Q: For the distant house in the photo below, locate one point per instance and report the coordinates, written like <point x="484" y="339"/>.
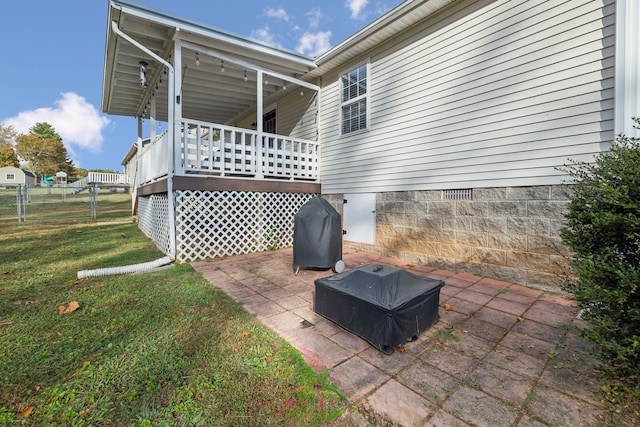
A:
<point x="11" y="176"/>
<point x="437" y="130"/>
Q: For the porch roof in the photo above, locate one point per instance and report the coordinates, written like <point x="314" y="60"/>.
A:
<point x="209" y="91"/>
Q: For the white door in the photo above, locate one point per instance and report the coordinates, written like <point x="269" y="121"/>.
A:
<point x="359" y="220"/>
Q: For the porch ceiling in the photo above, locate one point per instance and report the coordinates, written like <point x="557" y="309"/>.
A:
<point x="207" y="92"/>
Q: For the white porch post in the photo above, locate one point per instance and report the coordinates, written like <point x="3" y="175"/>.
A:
<point x="152" y="119"/>
<point x="176" y="103"/>
<point x="259" y="128"/>
<point x="627" y="99"/>
<point x="136" y="175"/>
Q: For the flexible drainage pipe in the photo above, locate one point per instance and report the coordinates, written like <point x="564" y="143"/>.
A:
<point x="126" y="269"/>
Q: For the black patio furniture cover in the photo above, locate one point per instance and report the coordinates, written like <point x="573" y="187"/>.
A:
<point x="384" y="305"/>
<point x="317" y="235"/>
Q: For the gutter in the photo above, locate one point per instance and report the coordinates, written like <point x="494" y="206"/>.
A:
<point x="171" y="123"/>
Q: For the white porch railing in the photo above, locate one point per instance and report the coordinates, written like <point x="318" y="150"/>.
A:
<point x="229" y="151"/>
<point x="100" y="179"/>
<point x="108" y="178"/>
<point x="154" y="160"/>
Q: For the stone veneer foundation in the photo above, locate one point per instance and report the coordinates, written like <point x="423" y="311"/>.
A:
<point x="509" y="233"/>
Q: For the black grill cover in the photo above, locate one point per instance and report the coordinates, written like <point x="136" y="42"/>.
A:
<point x="384" y="305"/>
<point x="317" y="235"/>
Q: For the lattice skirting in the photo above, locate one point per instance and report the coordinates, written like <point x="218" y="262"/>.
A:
<point x="212" y="224"/>
<point x="153" y="219"/>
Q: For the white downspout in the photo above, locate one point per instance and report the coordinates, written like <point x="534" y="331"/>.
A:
<point x="172" y="136"/>
<point x="143" y="267"/>
<point x="627" y="64"/>
<point x="319" y="134"/>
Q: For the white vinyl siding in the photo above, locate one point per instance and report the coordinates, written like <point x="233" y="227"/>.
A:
<point x="499" y="96"/>
<point x="297" y="115"/>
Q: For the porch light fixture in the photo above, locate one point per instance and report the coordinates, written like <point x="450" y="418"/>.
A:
<point x="221" y="66"/>
<point x="245" y="76"/>
<point x="143" y="73"/>
<point x="197" y="59"/>
<point x="301" y="93"/>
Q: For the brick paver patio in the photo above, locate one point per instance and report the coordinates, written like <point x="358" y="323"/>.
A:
<point x="500" y="355"/>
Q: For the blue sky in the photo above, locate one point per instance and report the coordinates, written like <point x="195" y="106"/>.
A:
<point x="53" y="57"/>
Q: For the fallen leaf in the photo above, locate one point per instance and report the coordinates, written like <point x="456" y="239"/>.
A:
<point x="37" y="388"/>
<point x="84" y="411"/>
<point x="269" y="358"/>
<point x="520" y="319"/>
<point x="6" y="323"/>
<point x="73" y="306"/>
<point x="29" y="302"/>
<point x="7" y="273"/>
<point x="447" y="307"/>
<point x="246" y="333"/>
<point x="26" y="412"/>
<point x="123" y="235"/>
<point x="401" y="349"/>
<point x="290" y="402"/>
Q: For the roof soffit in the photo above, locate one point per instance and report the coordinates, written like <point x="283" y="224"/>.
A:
<point x="208" y="94"/>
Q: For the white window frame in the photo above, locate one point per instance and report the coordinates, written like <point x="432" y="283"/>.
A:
<point x="366" y="97"/>
<point x="10" y="176"/>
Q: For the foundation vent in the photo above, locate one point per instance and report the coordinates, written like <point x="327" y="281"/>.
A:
<point x="464" y="194"/>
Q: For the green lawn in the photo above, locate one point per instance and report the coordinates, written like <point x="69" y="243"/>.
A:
<point x="163" y="348"/>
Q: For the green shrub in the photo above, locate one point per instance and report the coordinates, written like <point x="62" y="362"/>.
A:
<point x="603" y="231"/>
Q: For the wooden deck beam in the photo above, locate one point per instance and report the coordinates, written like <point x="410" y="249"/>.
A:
<point x="212" y="183"/>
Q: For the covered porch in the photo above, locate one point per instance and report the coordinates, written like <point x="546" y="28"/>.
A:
<point x="228" y="144"/>
<point x="213" y="103"/>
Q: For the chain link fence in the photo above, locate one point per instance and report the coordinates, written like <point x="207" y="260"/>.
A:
<point x="51" y="203"/>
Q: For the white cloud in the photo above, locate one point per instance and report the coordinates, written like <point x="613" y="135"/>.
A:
<point x="314" y="44"/>
<point x="264" y="34"/>
<point x="356" y="6"/>
<point x="74" y="119"/>
<point x="314" y="16"/>
<point x="279" y="13"/>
